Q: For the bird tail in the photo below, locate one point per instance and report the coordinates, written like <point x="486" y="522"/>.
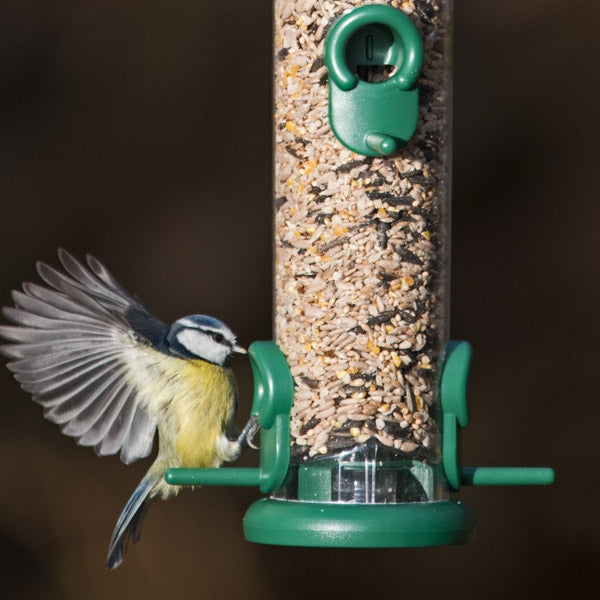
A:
<point x="129" y="524"/>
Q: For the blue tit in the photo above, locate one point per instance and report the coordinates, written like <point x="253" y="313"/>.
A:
<point x="111" y="374"/>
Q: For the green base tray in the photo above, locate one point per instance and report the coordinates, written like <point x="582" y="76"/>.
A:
<point x="332" y="525"/>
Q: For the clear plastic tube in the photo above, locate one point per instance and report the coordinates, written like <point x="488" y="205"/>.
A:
<point x="361" y="272"/>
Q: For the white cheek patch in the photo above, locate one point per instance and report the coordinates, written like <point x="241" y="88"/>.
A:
<point x="196" y="342"/>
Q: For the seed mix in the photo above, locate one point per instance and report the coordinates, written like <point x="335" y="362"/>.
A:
<point x="360" y="249"/>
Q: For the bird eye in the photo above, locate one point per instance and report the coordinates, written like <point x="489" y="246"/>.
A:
<point x="218" y="337"/>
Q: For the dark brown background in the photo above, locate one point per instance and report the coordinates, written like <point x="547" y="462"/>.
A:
<point x="140" y="132"/>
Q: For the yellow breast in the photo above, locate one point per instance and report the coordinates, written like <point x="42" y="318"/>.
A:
<point x="193" y="401"/>
<point x="203" y="410"/>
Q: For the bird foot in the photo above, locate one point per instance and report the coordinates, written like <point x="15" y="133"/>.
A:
<point x="246" y="438"/>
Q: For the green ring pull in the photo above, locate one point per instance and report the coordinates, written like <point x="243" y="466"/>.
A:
<point x="368" y="117"/>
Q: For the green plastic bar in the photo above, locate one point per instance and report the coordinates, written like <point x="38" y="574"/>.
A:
<point x="506" y="476"/>
<point x="230" y="476"/>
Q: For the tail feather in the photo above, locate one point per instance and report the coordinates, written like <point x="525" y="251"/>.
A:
<point x="129" y="524"/>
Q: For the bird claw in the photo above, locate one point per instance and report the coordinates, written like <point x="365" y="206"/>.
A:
<point x="251" y="443"/>
<point x="246" y="438"/>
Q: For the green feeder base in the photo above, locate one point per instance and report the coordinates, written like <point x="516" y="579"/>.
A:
<point x="334" y="525"/>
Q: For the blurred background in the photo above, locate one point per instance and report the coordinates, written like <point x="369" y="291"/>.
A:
<point x="141" y="132"/>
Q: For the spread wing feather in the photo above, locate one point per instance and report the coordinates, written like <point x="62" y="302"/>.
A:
<point x="70" y="346"/>
<point x="28" y="371"/>
<point x="87" y="424"/>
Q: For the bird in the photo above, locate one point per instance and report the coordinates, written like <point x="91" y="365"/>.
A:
<point x="110" y="374"/>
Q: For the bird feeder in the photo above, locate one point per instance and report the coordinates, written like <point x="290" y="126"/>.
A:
<point x="361" y="398"/>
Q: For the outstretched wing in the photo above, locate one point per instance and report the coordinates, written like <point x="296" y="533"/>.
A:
<point x="71" y="347"/>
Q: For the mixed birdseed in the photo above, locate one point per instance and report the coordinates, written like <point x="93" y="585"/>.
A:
<point x="360" y="249"/>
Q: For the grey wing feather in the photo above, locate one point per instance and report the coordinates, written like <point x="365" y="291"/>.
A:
<point x="67" y="349"/>
<point x="103" y="287"/>
<point x="109" y="296"/>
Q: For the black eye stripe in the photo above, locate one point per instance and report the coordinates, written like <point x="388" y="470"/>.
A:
<point x="217" y="336"/>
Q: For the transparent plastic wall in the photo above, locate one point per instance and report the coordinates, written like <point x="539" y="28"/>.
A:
<point x="361" y="271"/>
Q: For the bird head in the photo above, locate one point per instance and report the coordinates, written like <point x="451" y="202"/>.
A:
<point x="204" y="337"/>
